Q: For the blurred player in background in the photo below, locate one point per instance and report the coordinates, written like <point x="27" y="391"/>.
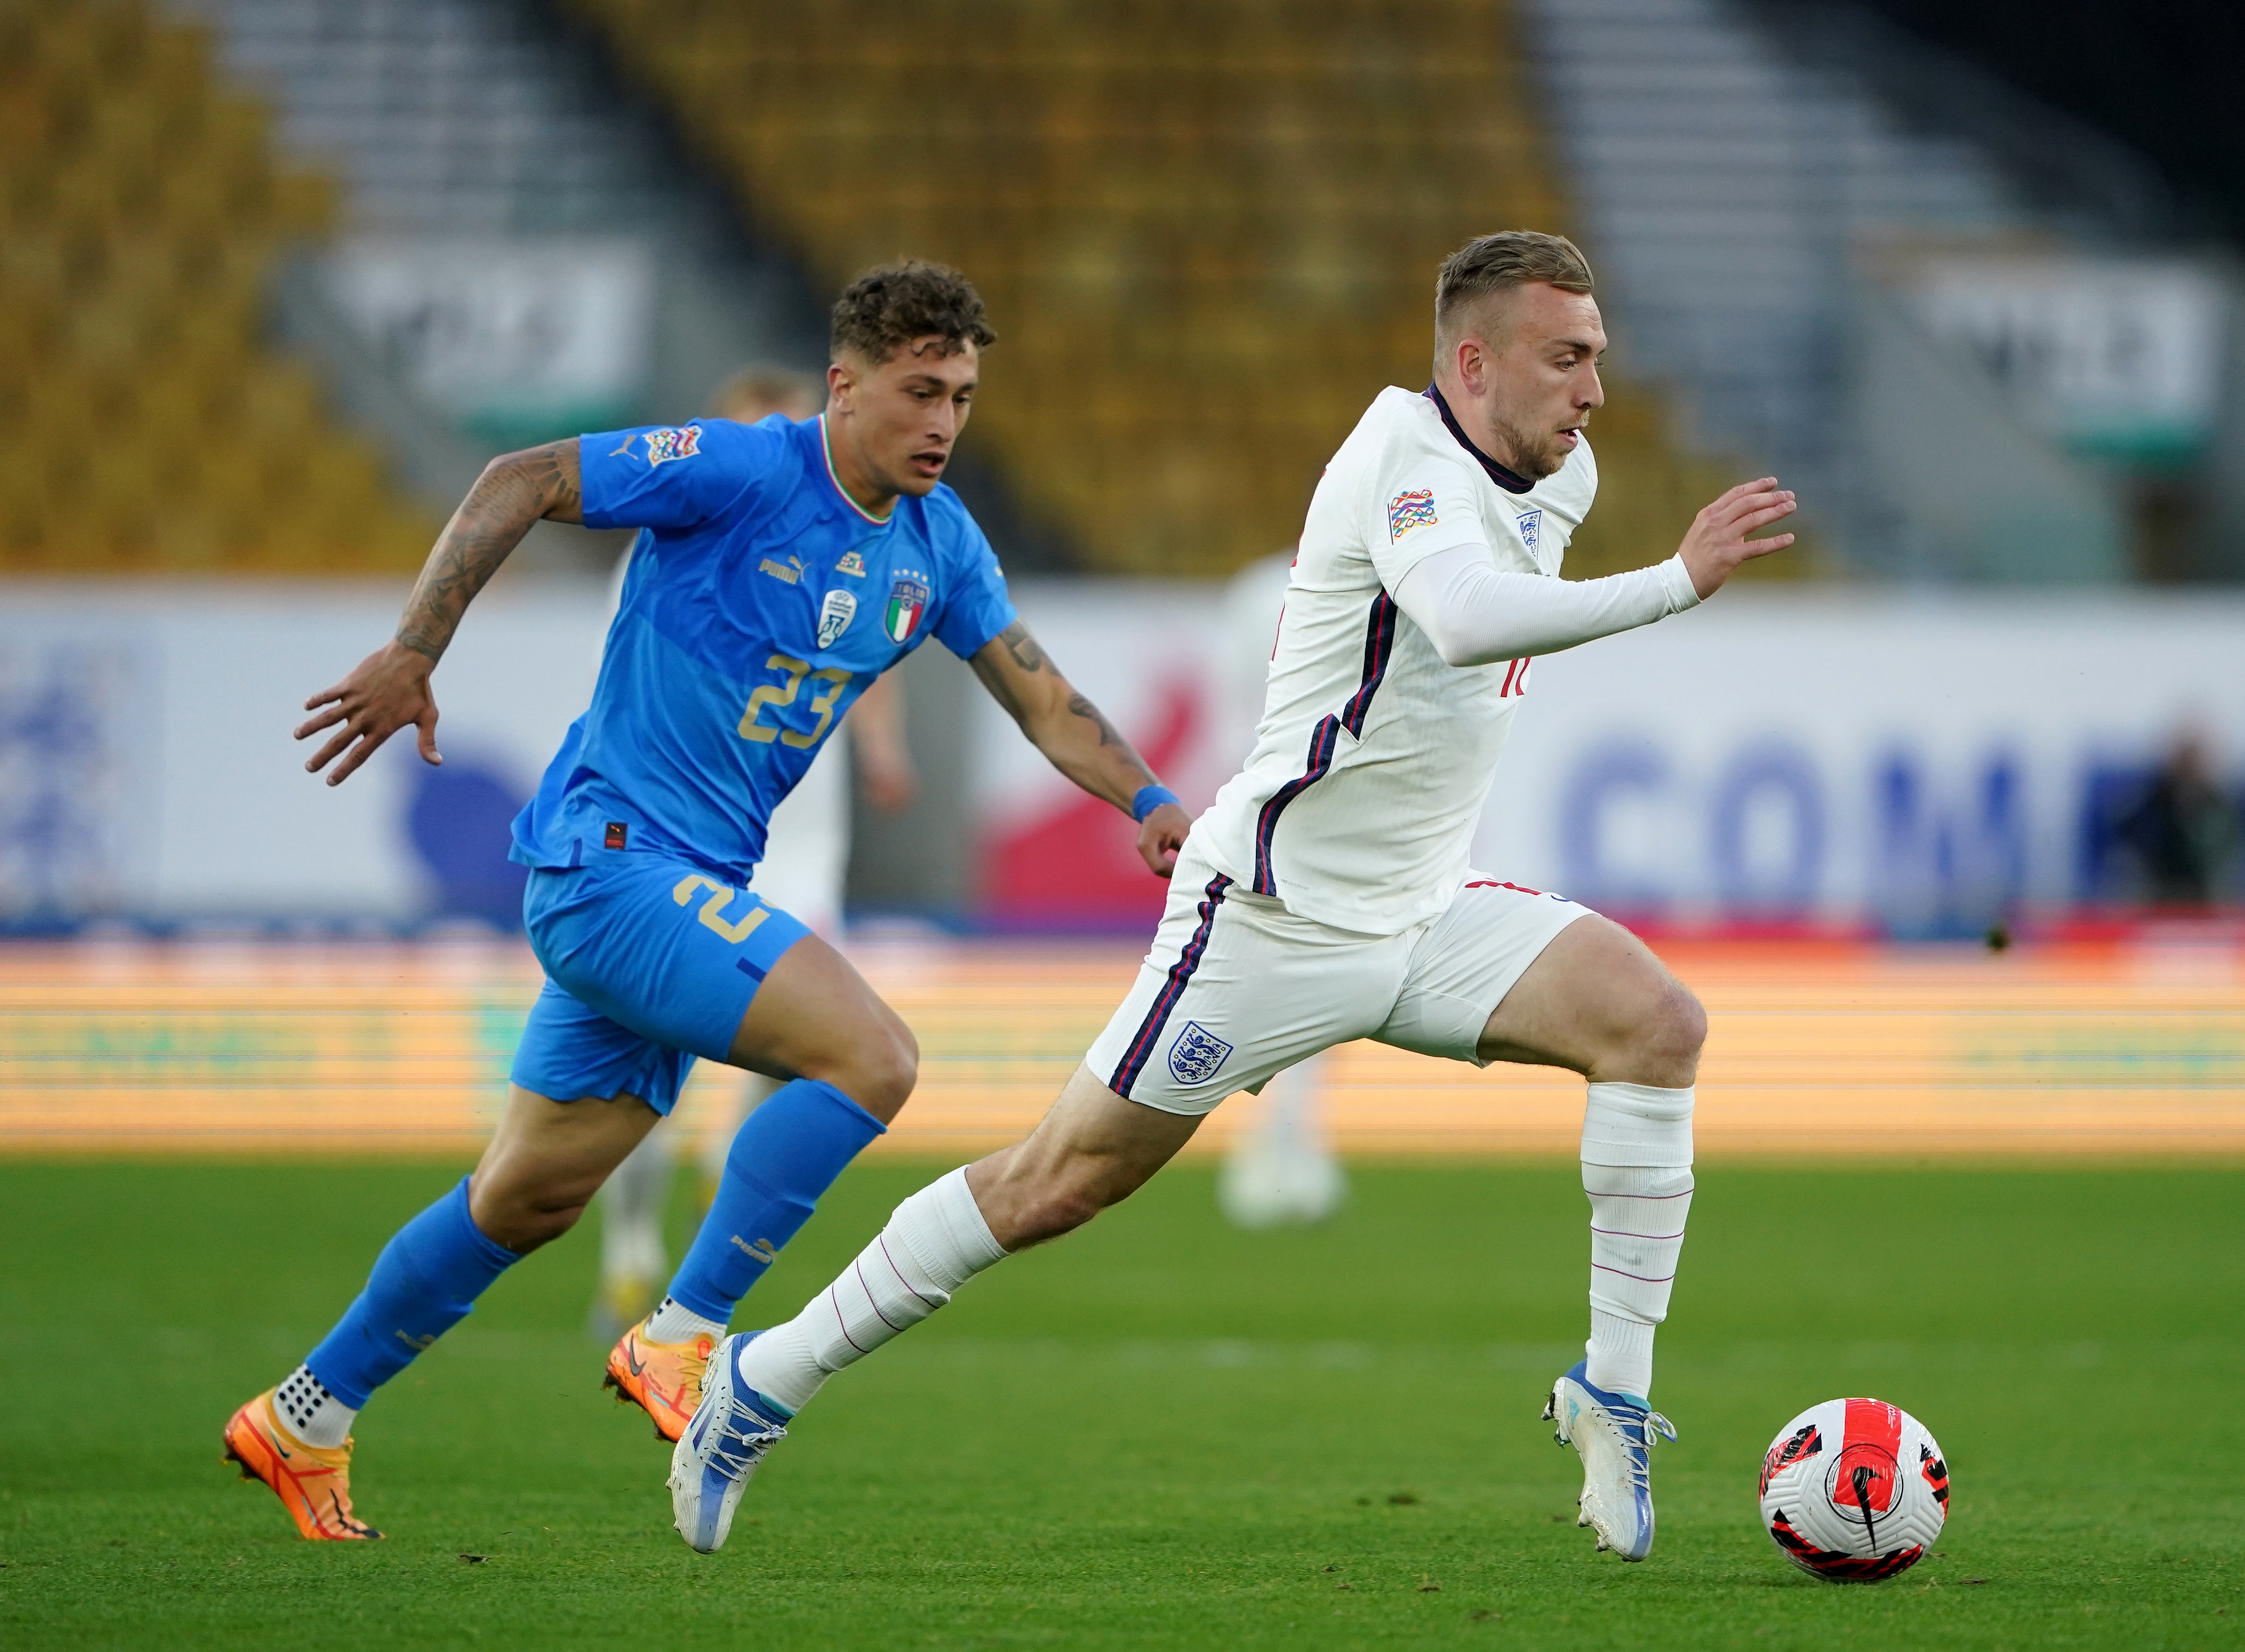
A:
<point x="1281" y="1167"/>
<point x="1327" y="893"/>
<point x="806" y="857"/>
<point x="780" y="568"/>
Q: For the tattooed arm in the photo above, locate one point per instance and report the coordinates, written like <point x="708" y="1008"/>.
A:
<point x="389" y="689"/>
<point x="1076" y="738"/>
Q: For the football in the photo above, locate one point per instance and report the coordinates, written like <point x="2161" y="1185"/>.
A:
<point x="1854" y="1490"/>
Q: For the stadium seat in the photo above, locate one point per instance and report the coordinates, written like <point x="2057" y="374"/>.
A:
<point x="147" y="426"/>
<point x="1207" y="233"/>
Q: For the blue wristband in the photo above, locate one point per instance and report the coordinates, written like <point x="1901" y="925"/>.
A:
<point x="1149" y="799"/>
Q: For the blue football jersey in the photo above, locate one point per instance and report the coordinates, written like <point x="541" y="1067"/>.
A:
<point x="760" y="602"/>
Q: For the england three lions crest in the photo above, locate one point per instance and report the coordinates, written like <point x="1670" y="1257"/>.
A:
<point x="1197" y="1055"/>
<point x="1530" y="523"/>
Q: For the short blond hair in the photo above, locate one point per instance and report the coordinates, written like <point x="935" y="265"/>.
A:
<point x="762" y="389"/>
<point x="1498" y="263"/>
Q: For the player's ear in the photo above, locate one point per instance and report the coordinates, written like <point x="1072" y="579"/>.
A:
<point x="1472" y="358"/>
<point x="839" y="382"/>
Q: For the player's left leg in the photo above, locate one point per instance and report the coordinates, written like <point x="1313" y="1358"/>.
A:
<point x="1509" y="974"/>
<point x="848" y="1062"/>
<point x="1233" y="989"/>
<point x="1091" y="1150"/>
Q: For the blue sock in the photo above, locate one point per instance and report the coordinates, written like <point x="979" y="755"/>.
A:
<point x="424" y="1282"/>
<point x="788" y="1153"/>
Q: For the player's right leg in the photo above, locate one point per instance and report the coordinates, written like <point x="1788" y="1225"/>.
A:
<point x="1508" y="974"/>
<point x="542" y="1166"/>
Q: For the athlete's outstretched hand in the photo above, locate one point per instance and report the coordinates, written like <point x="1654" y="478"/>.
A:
<point x="1161" y="834"/>
<point x="1717" y="541"/>
<point x="388" y="690"/>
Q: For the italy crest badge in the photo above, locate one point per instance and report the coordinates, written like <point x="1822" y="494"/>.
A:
<point x="907" y="602"/>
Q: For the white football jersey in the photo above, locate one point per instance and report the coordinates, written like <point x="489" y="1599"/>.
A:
<point x="1373" y="758"/>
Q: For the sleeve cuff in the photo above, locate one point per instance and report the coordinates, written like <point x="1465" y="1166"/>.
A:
<point x="1676" y="581"/>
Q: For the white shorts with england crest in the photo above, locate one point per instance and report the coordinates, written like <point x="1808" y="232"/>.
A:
<point x="1237" y="988"/>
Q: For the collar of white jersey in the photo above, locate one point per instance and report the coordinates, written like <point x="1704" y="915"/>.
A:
<point x="1498" y="473"/>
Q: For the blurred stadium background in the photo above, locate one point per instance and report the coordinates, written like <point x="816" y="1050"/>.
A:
<point x="277" y="275"/>
<point x="1942" y="812"/>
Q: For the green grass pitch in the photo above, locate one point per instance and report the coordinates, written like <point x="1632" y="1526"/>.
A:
<point x="1159" y="1433"/>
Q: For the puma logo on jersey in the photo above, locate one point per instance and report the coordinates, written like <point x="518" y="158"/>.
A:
<point x="1413" y="508"/>
<point x="790" y="570"/>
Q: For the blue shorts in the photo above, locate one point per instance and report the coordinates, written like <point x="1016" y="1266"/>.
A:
<point x="649" y="963"/>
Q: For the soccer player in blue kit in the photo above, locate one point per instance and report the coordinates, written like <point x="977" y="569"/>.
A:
<point x="780" y="568"/>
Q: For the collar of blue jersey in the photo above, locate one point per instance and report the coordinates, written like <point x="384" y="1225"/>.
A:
<point x="826" y="453"/>
<point x="1498" y="473"/>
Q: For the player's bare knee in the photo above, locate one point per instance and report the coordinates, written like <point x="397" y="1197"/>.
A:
<point x="886" y="1066"/>
<point x="1666" y="1039"/>
<point x="523" y="1222"/>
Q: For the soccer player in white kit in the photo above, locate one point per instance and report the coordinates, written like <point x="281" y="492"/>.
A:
<point x="1326" y="896"/>
<point x="806" y="856"/>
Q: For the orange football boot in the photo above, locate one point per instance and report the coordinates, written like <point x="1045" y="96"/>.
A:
<point x="312" y="1482"/>
<point x="662" y="1379"/>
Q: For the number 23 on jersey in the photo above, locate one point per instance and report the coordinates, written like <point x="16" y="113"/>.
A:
<point x="775" y="695"/>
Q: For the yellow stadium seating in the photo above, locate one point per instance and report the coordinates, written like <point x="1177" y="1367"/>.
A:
<point x="1207" y="232"/>
<point x="145" y="427"/>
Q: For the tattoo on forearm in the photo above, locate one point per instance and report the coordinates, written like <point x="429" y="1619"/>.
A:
<point x="509" y="497"/>
<point x="1108" y="735"/>
<point x="1025" y="648"/>
<point x="1030" y="658"/>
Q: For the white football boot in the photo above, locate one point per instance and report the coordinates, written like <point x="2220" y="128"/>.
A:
<point x="1614" y="1435"/>
<point x="732" y="1429"/>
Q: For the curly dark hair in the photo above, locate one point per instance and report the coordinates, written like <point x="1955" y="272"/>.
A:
<point x="891" y="305"/>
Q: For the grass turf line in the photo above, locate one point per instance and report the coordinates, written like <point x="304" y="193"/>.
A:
<point x="1158" y="1433"/>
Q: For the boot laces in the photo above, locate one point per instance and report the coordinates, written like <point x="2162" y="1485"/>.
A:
<point x="744" y="1428"/>
<point x="1640" y="1430"/>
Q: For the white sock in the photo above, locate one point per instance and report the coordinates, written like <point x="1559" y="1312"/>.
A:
<point x="935" y="1242"/>
<point x="674" y="1321"/>
<point x="631" y="1212"/>
<point x="310" y="1413"/>
<point x="1637" y="1170"/>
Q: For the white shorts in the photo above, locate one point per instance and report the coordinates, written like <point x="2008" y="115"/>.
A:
<point x="1237" y="988"/>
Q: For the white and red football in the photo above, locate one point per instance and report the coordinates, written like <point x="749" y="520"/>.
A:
<point x="1854" y="1490"/>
